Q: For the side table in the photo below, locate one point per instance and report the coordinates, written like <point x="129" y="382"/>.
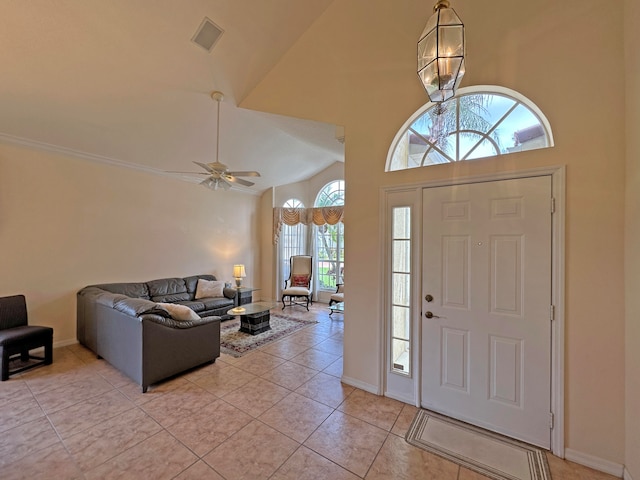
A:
<point x="244" y="295"/>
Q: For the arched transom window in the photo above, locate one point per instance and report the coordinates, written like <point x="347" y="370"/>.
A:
<point x="479" y="122"/>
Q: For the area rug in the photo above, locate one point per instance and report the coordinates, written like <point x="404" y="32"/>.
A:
<point x="485" y="452"/>
<point x="236" y="343"/>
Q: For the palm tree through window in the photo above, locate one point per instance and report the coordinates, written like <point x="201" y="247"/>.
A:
<point x="330" y="240"/>
<point x="479" y="122"/>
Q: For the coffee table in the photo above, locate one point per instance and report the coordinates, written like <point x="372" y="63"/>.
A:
<point x="254" y="317"/>
<point x="336" y="307"/>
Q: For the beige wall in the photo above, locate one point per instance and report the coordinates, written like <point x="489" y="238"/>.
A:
<point x="267" y="251"/>
<point x="632" y="251"/>
<point x="307" y="191"/>
<point x="66" y="223"/>
<point x="356" y="67"/>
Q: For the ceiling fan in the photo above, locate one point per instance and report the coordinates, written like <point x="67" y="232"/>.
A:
<point x="218" y="174"/>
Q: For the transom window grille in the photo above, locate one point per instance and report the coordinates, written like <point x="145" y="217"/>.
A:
<point x="330" y="240"/>
<point x="471" y="125"/>
<point x="293" y="240"/>
<point x="401" y="290"/>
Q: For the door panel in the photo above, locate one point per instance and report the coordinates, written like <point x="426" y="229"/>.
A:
<point x="455" y="359"/>
<point x="455" y="271"/>
<point x="487" y="262"/>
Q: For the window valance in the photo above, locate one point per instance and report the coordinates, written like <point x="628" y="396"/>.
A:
<point x="306" y="216"/>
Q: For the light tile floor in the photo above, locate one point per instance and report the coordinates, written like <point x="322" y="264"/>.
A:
<point x="278" y="413"/>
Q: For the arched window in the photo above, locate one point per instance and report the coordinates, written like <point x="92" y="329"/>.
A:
<point x="479" y="122"/>
<point x="330" y="240"/>
<point x="293" y="240"/>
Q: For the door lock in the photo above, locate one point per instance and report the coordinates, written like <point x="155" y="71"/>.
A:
<point x="429" y="298"/>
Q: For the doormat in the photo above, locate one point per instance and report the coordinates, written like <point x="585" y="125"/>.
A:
<point x="487" y="453"/>
<point x="236" y="343"/>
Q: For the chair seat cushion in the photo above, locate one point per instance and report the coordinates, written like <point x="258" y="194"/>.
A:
<point x="11" y="336"/>
<point x="296" y="291"/>
<point x="338" y="297"/>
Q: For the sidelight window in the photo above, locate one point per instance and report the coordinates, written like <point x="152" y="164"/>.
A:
<point x="401" y="289"/>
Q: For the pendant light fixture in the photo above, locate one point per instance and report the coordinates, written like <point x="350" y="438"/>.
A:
<point x="441" y="53"/>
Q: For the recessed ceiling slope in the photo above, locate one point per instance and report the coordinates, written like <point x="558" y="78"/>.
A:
<point x="118" y="80"/>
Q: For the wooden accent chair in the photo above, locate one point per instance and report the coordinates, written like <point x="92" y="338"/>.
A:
<point x="18" y="338"/>
<point x="338" y="296"/>
<point x="298" y="288"/>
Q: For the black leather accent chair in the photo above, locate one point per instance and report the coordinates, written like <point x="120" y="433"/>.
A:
<point x="17" y="337"/>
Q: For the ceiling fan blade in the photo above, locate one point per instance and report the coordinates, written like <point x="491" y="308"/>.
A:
<point x="190" y="173"/>
<point x="239" y="181"/>
<point x="244" y="174"/>
<point x="205" y="166"/>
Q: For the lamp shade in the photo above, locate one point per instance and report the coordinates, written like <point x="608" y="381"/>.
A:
<point x="238" y="271"/>
<point x="441" y="51"/>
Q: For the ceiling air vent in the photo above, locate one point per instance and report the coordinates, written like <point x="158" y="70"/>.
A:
<point x="207" y="34"/>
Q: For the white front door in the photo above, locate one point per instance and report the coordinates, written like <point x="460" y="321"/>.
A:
<point x="486" y="350"/>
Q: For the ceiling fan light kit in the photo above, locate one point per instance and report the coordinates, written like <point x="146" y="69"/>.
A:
<point x="218" y="174"/>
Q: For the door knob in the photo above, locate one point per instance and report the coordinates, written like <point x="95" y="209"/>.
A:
<point x="429" y="298"/>
<point x="431" y="315"/>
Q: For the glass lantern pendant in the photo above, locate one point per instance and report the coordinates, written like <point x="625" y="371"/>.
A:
<point x="441" y="53"/>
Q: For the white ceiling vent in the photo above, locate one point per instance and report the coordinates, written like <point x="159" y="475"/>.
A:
<point x="207" y="34"/>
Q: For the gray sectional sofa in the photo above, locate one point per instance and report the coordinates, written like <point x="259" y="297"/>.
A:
<point x="122" y="323"/>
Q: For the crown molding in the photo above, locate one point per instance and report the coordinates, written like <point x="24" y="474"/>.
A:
<point x="91" y="157"/>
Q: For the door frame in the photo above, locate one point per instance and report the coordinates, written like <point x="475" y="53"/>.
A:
<point x="558" y="186"/>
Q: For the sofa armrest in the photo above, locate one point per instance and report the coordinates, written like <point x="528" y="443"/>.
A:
<point x="135" y="307"/>
<point x="171" y="323"/>
<point x="230" y="292"/>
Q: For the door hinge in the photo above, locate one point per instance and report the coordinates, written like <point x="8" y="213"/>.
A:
<point x="552" y="312"/>
<point x="553" y="205"/>
<point x="551" y="418"/>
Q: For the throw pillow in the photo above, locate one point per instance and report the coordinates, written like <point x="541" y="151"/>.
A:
<point x="299" y="280"/>
<point x="209" y="288"/>
<point x="179" y="312"/>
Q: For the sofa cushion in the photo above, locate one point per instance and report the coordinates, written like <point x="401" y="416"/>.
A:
<point x="209" y="288"/>
<point x="192" y="282"/>
<point x="168" y="290"/>
<point x="179" y="312"/>
<point x="133" y="290"/>
<point x="213" y="303"/>
<point x="196" y="306"/>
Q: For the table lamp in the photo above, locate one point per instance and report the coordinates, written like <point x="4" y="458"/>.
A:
<point x="239" y="274"/>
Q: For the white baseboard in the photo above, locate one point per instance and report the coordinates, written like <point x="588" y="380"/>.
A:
<point x="65" y="343"/>
<point x="367" y="387"/>
<point x="597" y="463"/>
<point x="627" y="475"/>
<point x="400" y="398"/>
<point x="62" y="343"/>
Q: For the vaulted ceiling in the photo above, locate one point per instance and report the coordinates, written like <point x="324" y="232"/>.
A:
<point x="121" y="82"/>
